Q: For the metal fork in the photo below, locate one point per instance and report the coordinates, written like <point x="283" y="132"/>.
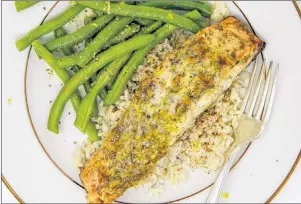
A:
<point x="255" y="112"/>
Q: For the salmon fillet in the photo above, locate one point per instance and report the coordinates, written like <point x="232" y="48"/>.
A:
<point x="166" y="104"/>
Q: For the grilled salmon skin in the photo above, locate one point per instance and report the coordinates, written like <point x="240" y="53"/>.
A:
<point x="166" y="104"/>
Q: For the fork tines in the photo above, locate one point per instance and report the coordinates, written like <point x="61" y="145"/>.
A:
<point x="259" y="96"/>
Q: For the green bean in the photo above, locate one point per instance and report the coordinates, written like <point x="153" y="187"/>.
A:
<point x="124" y="34"/>
<point x="150" y="28"/>
<point x="202" y="23"/>
<point x="84" y="74"/>
<point x="69" y="51"/>
<point x="79" y="35"/>
<point x="104" y="77"/>
<point x="93" y="77"/>
<point x="110" y="85"/>
<point x="87" y="88"/>
<point x="203" y="7"/>
<point x="145" y="30"/>
<point x="21" y="5"/>
<point x="60" y="32"/>
<point x="138" y="58"/>
<point x="88" y="41"/>
<point x="64" y="76"/>
<point x="49" y="26"/>
<point x="98" y="13"/>
<point x="87" y="20"/>
<point x="110" y="31"/>
<point x="144" y="22"/>
<point x="127" y="32"/>
<point x="103" y="94"/>
<point x="123" y="9"/>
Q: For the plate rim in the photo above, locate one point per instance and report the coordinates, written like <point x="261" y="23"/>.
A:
<point x="17" y="197"/>
<point x="297" y="8"/>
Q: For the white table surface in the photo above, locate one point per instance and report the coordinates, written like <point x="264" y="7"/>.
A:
<point x="289" y="194"/>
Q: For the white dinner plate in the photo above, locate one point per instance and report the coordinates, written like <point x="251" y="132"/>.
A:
<point x="37" y="164"/>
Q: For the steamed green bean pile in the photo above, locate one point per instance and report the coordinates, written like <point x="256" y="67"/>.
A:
<point x="117" y="37"/>
<point x="64" y="76"/>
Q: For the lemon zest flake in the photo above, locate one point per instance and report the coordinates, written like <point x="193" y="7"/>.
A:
<point x="225" y="195"/>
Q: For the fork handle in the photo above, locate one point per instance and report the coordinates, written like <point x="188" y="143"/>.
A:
<point x="218" y="184"/>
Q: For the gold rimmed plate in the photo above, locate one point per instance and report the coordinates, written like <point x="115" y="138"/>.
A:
<point x="28" y="168"/>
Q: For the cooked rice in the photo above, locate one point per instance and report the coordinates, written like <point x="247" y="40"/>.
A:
<point x="206" y="145"/>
